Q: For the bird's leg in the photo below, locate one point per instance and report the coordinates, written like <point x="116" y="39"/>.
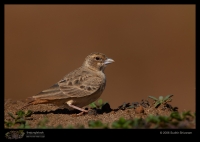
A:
<point x="75" y="107"/>
<point x="78" y="108"/>
<point x="81" y="113"/>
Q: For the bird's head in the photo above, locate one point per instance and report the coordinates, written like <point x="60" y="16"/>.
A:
<point x="97" y="61"/>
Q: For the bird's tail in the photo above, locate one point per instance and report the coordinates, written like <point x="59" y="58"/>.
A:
<point x="30" y="102"/>
<point x="34" y="102"/>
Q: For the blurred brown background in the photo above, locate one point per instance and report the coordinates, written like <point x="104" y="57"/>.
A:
<point x="153" y="47"/>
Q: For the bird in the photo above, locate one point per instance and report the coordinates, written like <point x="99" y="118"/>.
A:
<point x="79" y="88"/>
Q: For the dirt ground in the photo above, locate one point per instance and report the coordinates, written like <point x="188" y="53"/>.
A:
<point x="60" y="116"/>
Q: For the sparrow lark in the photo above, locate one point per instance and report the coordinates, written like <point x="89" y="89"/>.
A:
<point x="80" y="87"/>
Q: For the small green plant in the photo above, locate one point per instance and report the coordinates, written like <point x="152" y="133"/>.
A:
<point x="152" y="119"/>
<point x="70" y="127"/>
<point x="156" y="121"/>
<point x="176" y="116"/>
<point x="20" y="118"/>
<point x="122" y="124"/>
<point x="59" y="127"/>
<point x="161" y="100"/>
<point x="96" y="124"/>
<point x="138" y="123"/>
<point x="187" y="114"/>
<point x="98" y="105"/>
<point x="181" y="116"/>
<point x="42" y="123"/>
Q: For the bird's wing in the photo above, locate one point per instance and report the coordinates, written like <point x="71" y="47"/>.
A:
<point x="72" y="86"/>
<point x="81" y="87"/>
<point x="51" y="93"/>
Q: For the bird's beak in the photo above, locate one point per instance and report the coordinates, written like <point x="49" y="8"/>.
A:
<point x="108" y="61"/>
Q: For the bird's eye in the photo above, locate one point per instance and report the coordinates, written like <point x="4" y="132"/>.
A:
<point x="97" y="58"/>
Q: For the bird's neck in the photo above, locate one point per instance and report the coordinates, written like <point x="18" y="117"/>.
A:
<point x="92" y="67"/>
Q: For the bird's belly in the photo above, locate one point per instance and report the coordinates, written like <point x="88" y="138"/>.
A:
<point x="86" y="100"/>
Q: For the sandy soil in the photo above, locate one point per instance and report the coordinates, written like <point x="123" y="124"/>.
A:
<point x="61" y="116"/>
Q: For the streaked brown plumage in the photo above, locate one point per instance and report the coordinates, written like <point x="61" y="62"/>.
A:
<point x="78" y="88"/>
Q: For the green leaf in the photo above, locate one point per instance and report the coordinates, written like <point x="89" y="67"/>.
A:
<point x="136" y="122"/>
<point x="70" y="127"/>
<point x="27" y="126"/>
<point x="121" y="120"/>
<point x="59" y="126"/>
<point x="185" y="114"/>
<point x="11" y="115"/>
<point x="157" y="104"/>
<point x="164" y="119"/>
<point x="123" y="124"/>
<point x="21" y="126"/>
<point x="8" y="123"/>
<point x="20" y="113"/>
<point x="153" y="98"/>
<point x="127" y="124"/>
<point x="28" y="113"/>
<point x="160" y="98"/>
<point x="175" y="115"/>
<point x="21" y="120"/>
<point x="93" y="105"/>
<point x="95" y="124"/>
<point x="115" y="125"/>
<point x="100" y="102"/>
<point x="153" y="119"/>
<point x="42" y="123"/>
<point x="167" y="97"/>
